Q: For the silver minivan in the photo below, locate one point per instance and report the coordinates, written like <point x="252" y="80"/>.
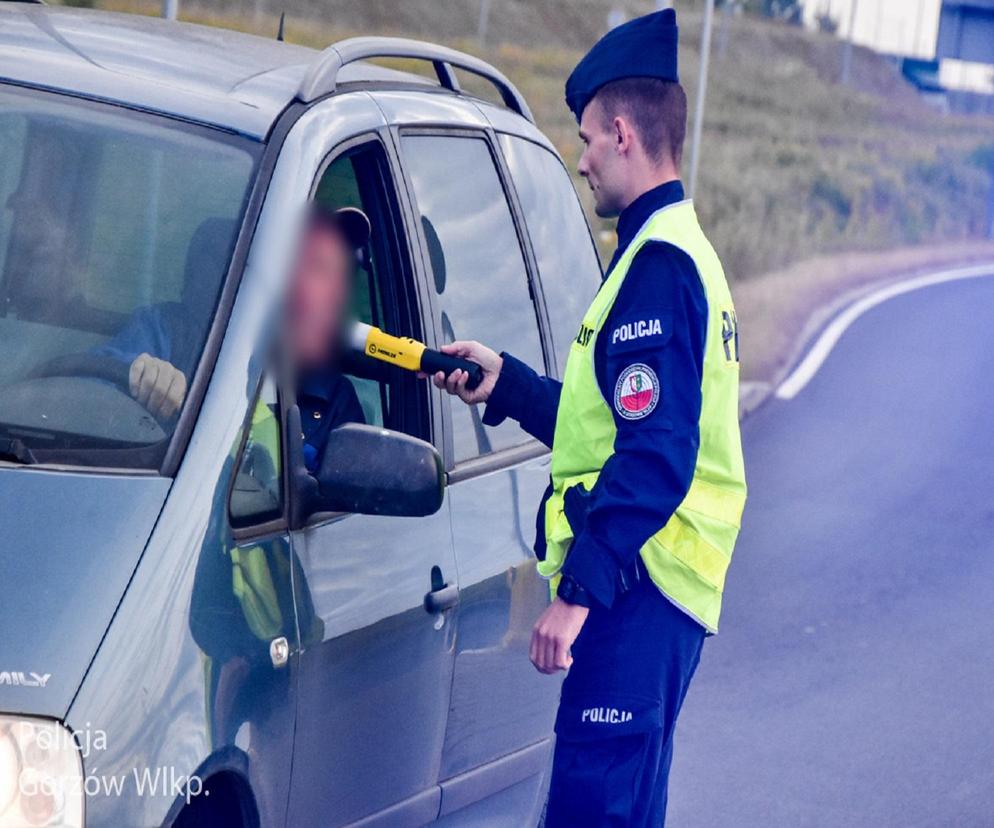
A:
<point x="191" y="637"/>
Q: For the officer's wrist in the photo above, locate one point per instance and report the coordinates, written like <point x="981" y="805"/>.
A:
<point x="504" y="399"/>
<point x="570" y="591"/>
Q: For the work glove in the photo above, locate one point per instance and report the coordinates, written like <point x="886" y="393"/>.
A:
<point x="158" y="385"/>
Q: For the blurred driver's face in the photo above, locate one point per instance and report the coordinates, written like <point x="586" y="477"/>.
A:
<point x="319" y="295"/>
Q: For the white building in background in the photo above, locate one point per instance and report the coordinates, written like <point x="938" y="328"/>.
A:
<point x="907" y="28"/>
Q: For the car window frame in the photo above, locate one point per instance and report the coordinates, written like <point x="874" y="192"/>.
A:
<point x="413" y="300"/>
<point x="402" y="300"/>
<point x="530" y="447"/>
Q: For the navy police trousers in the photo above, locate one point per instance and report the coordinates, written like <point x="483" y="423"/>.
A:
<point x="631" y="668"/>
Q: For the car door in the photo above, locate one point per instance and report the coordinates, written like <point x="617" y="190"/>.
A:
<point x="498" y="740"/>
<point x="243" y="612"/>
<point x="375" y="670"/>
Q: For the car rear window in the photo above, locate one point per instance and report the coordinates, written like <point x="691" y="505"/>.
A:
<point x="560" y="237"/>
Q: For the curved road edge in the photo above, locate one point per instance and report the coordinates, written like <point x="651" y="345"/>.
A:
<point x="834" y="318"/>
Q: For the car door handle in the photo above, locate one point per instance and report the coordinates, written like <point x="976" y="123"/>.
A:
<point x="441" y="599"/>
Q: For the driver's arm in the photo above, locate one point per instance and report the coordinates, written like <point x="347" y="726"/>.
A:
<point x="145" y="344"/>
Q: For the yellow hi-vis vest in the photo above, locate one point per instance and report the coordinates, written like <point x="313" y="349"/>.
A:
<point x="689" y="556"/>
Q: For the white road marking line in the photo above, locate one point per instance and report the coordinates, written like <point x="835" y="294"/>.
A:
<point x="819" y="352"/>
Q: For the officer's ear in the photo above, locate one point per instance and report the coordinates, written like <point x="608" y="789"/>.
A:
<point x="622" y="134"/>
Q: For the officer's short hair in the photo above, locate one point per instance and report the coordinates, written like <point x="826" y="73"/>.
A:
<point x="657" y="109"/>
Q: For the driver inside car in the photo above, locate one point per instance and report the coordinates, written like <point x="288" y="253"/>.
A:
<point x="319" y="298"/>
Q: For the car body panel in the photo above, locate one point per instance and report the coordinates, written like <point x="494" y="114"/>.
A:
<point x="215" y="76"/>
<point x="374" y="691"/>
<point x="500" y="702"/>
<point x="507" y="793"/>
<point x="415" y="108"/>
<point x="63" y="577"/>
<point x="503" y="120"/>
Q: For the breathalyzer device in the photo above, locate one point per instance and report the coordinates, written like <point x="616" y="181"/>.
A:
<point x="410" y="354"/>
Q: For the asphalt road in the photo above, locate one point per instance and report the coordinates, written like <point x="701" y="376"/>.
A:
<point x="852" y="682"/>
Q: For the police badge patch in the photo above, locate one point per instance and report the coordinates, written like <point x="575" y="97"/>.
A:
<point x="637" y="392"/>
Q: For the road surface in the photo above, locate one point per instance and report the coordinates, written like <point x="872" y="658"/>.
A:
<point x="852" y="683"/>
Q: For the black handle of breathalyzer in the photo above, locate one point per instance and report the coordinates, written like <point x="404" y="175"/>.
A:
<point x="434" y="361"/>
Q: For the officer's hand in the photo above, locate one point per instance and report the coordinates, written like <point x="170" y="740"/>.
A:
<point x="554" y="634"/>
<point x="455" y="383"/>
<point x="158" y="385"/>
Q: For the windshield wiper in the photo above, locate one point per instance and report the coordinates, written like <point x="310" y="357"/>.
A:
<point x="14" y="450"/>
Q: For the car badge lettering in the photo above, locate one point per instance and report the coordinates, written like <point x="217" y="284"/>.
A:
<point x="19" y="679"/>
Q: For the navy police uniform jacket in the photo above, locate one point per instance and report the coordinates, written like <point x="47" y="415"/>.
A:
<point x="650" y="471"/>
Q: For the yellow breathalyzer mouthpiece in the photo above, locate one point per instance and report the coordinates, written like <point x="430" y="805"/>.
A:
<point x="403" y="352"/>
<point x="410" y="354"/>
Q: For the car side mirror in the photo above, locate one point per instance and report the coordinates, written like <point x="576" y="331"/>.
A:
<point x="368" y="470"/>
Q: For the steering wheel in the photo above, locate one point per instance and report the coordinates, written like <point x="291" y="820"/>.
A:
<point x="82" y="394"/>
<point x="94" y="366"/>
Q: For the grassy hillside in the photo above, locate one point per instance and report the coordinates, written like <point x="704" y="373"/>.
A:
<point x="793" y="164"/>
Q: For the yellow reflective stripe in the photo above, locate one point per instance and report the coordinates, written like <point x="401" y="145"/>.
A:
<point x="715" y="502"/>
<point x="684" y="544"/>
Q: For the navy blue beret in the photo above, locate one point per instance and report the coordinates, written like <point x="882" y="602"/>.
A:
<point x="641" y="48"/>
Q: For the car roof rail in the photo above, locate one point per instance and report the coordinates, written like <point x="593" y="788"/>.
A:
<point x="322" y="76"/>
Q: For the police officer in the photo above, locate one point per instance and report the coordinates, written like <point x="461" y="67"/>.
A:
<point x="647" y="491"/>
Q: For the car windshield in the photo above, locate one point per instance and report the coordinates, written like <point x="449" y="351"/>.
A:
<point x="116" y="230"/>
